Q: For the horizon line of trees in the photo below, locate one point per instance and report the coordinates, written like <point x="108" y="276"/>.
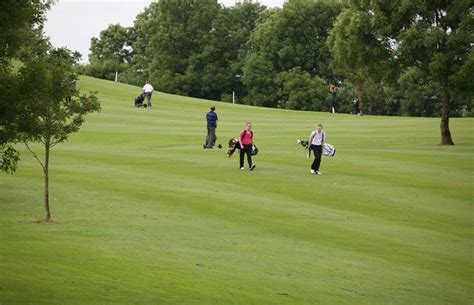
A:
<point x="397" y="57"/>
<point x="288" y="57"/>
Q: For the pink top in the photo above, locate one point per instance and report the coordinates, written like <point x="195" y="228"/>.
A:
<point x="246" y="137"/>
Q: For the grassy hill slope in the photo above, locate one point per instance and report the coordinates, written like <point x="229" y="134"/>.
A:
<point x="144" y="215"/>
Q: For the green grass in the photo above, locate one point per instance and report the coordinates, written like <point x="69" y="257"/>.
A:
<point x="144" y="215"/>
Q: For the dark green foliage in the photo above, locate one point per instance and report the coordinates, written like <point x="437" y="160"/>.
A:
<point x="300" y="91"/>
<point x="20" y="22"/>
<point x="418" y="96"/>
<point x="110" y="53"/>
<point x="397" y="57"/>
<point x="181" y="31"/>
<point x="373" y="41"/>
<point x="9" y="159"/>
<point x="293" y="37"/>
<point x="52" y="106"/>
<point x="217" y="68"/>
<point x="258" y="77"/>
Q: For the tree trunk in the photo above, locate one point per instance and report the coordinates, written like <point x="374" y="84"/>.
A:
<point x="46" y="182"/>
<point x="445" y="133"/>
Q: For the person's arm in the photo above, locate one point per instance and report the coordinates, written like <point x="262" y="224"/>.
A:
<point x="310" y="140"/>
<point x="242" y="134"/>
<point x="323" y="139"/>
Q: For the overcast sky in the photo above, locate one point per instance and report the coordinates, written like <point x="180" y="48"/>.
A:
<point x="72" y="23"/>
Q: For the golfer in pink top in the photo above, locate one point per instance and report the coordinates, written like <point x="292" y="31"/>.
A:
<point x="246" y="143"/>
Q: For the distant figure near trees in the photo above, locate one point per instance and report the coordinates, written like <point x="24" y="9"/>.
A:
<point x="356" y="103"/>
<point x="148" y="91"/>
<point x="333" y="91"/>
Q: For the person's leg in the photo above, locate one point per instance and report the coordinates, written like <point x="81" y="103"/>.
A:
<point x="211" y="137"/>
<point x="318" y="151"/>
<point x="214" y="136"/>
<point x="206" y="143"/>
<point x="248" y="151"/>
<point x="314" y="164"/>
<point x="148" y="98"/>
<point x="242" y="153"/>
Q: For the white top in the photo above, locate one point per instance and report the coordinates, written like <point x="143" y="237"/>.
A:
<point x="147" y="88"/>
<point x="317" y="138"/>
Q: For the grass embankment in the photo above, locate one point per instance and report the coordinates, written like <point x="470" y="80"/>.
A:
<point x="144" y="215"/>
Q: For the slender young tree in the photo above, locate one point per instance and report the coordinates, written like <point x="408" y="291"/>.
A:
<point x="52" y="106"/>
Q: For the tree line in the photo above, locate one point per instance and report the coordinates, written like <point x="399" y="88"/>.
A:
<point x="397" y="57"/>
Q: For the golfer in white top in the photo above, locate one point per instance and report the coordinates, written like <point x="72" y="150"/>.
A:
<point x="315" y="143"/>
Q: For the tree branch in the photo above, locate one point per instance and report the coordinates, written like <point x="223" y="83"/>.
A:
<point x="34" y="155"/>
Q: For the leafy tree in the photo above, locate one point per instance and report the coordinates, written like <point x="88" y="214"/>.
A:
<point x="300" y="91"/>
<point x="20" y="26"/>
<point x="357" y="55"/>
<point x="375" y="39"/>
<point x="20" y="21"/>
<point x="418" y="96"/>
<point x="113" y="43"/>
<point x="291" y="37"/>
<point x="9" y="113"/>
<point x="141" y="34"/>
<point x="111" y="52"/>
<point x="52" y="107"/>
<point x="295" y="36"/>
<point x="258" y="78"/>
<point x="215" y="71"/>
<point x="181" y="31"/>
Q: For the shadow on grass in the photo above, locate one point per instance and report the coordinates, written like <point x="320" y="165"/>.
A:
<point x="36" y="220"/>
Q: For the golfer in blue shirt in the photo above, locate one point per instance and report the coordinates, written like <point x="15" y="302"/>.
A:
<point x="211" y="138"/>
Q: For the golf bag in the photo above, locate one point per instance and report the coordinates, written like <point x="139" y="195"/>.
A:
<point x="234" y="145"/>
<point x="139" y="101"/>
<point x="328" y="149"/>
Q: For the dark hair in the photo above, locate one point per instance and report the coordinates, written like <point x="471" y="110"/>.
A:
<point x="213" y="108"/>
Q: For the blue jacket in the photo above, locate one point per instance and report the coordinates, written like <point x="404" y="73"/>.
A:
<point x="211" y="118"/>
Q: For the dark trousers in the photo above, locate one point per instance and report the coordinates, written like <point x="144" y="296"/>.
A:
<point x="211" y="137"/>
<point x="357" y="109"/>
<point x="317" y="152"/>
<point x="148" y="98"/>
<point x="246" y="150"/>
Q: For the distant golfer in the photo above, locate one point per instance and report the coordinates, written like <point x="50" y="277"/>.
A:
<point x="315" y="143"/>
<point x="246" y="146"/>
<point x="333" y="91"/>
<point x="148" y="91"/>
<point x="212" y="119"/>
<point x="356" y="103"/>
